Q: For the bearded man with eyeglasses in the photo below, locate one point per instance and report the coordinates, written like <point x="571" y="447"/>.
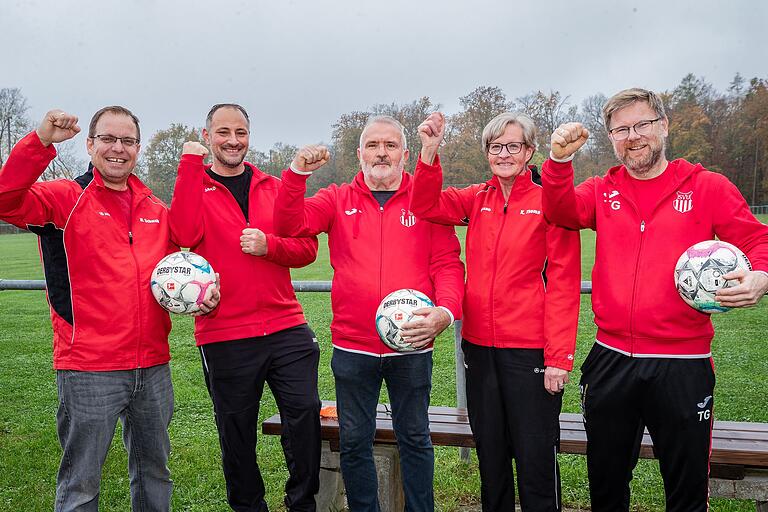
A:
<point x="101" y="236"/>
<point x="651" y="365"/>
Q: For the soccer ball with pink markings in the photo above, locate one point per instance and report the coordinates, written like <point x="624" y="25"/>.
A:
<point x="181" y="281"/>
<point x="699" y="273"/>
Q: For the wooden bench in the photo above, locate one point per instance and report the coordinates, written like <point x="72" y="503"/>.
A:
<point x="738" y="469"/>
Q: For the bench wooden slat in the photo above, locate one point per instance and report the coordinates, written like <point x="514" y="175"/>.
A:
<point x="734" y="444"/>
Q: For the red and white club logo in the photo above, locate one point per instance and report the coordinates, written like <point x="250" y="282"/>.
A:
<point x="398" y="317"/>
<point x="170" y="286"/>
<point x="407" y="218"/>
<point x="683" y="202"/>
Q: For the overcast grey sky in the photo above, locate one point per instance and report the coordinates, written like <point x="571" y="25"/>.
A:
<point x="296" y="65"/>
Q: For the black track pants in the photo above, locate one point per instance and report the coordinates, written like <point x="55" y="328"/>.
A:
<point x="235" y="372"/>
<point x="672" y="398"/>
<point x="513" y="417"/>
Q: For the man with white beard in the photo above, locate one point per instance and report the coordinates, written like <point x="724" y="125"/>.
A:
<point x="377" y="246"/>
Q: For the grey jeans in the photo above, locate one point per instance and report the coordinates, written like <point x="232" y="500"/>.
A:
<point x="90" y="404"/>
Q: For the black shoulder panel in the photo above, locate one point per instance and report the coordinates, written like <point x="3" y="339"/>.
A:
<point x="535" y="176"/>
<point x="55" y="260"/>
<point x="55" y="268"/>
<point x="84" y="179"/>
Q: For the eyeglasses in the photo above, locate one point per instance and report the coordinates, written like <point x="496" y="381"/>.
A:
<point x="513" y="148"/>
<point x="641" y="128"/>
<point x="128" y="142"/>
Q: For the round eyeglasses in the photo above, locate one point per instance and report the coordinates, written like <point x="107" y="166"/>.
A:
<point x="641" y="128"/>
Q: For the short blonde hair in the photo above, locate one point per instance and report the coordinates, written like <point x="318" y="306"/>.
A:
<point x="626" y="98"/>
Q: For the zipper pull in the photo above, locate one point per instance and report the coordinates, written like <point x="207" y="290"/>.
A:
<point x="505" y="206"/>
<point x="642" y="226"/>
<point x="130" y="238"/>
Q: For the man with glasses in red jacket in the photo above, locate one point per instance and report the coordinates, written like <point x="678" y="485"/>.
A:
<point x="651" y="365"/>
<point x="101" y="236"/>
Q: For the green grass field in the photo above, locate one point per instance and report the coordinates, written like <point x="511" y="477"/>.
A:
<point x="29" y="450"/>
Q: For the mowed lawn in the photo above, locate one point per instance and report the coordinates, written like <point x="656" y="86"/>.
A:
<point x="29" y="450"/>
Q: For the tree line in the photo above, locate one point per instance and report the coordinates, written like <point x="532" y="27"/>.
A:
<point x="727" y="131"/>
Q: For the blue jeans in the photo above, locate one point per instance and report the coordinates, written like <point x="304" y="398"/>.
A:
<point x="358" y="384"/>
<point x="90" y="404"/>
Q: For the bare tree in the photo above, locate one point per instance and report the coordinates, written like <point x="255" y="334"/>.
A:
<point x="161" y="158"/>
<point x="463" y="158"/>
<point x="66" y="164"/>
<point x="275" y="160"/>
<point x="14" y="123"/>
<point x="598" y="151"/>
<point x="548" y="112"/>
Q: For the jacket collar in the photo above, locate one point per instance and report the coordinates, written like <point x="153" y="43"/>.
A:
<point x="523" y="181"/>
<point x="680" y="168"/>
<point x="258" y="175"/>
<point x="134" y="183"/>
<point x="359" y="184"/>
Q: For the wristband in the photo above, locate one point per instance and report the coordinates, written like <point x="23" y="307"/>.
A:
<point x="302" y="173"/>
<point x="561" y="161"/>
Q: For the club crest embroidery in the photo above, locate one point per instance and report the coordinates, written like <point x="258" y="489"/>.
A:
<point x="407" y="219"/>
<point x="683" y="202"/>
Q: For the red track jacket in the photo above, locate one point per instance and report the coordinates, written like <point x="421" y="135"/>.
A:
<point x="374" y="251"/>
<point x="257" y="297"/>
<point x="637" y="308"/>
<point x="102" y="309"/>
<point x="507" y="304"/>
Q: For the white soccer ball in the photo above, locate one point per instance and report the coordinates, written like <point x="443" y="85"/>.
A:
<point x="700" y="269"/>
<point x="181" y="281"/>
<point x="395" y="310"/>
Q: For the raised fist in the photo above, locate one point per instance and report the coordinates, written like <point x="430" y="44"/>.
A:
<point x="57" y="126"/>
<point x="431" y="133"/>
<point x="567" y="139"/>
<point x="311" y="158"/>
<point x="194" y="148"/>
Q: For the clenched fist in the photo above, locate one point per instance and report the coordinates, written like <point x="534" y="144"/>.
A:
<point x="253" y="241"/>
<point x="567" y="139"/>
<point x="57" y="126"/>
<point x="431" y="133"/>
<point x="311" y="158"/>
<point x="194" y="148"/>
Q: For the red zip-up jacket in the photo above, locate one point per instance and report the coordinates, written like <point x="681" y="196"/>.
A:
<point x="103" y="313"/>
<point x="373" y="251"/>
<point x="257" y="297"/>
<point x="637" y="308"/>
<point x="507" y="303"/>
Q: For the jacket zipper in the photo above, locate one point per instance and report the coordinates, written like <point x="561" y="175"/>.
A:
<point x="381" y="244"/>
<point x="139" y="310"/>
<point x="247" y="220"/>
<point x="493" y="277"/>
<point x="634" y="291"/>
<point x="637" y="261"/>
